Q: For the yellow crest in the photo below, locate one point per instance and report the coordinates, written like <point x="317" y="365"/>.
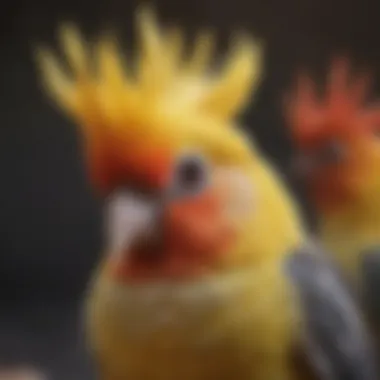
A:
<point x="160" y="76"/>
<point x="107" y="94"/>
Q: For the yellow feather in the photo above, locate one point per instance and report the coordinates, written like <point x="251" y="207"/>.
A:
<point x="110" y="68"/>
<point x="202" y="54"/>
<point x="231" y="92"/>
<point x="163" y="100"/>
<point x="74" y="49"/>
<point x="55" y="81"/>
<point x="233" y="327"/>
<point x="115" y="90"/>
<point x="222" y="327"/>
<point x="153" y="73"/>
<point x="174" y="47"/>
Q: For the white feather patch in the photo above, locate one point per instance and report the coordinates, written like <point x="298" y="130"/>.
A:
<point x="127" y="216"/>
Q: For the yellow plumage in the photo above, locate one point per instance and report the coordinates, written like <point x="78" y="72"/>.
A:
<point x="242" y="319"/>
<point x="162" y="95"/>
<point x="219" y="328"/>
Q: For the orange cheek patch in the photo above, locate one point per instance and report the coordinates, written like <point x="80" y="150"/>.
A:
<point x="197" y="225"/>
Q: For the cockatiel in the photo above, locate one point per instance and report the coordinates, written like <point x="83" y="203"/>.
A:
<point x="338" y="154"/>
<point x="207" y="273"/>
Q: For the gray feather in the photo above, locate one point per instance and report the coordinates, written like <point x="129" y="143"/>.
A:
<point x="336" y="339"/>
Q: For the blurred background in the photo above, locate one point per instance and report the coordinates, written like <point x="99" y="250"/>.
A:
<point x="50" y="222"/>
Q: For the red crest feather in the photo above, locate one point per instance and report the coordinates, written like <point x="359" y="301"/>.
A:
<point x="342" y="111"/>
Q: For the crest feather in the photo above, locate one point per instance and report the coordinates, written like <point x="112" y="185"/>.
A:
<point x="112" y="102"/>
<point x="202" y="54"/>
<point x="75" y="50"/>
<point x="231" y="92"/>
<point x="159" y="66"/>
<point x="343" y="109"/>
<point x="175" y="45"/>
<point x="153" y="66"/>
<point x="61" y="87"/>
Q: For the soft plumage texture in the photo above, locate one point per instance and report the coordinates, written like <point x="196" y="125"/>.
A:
<point x="162" y="96"/>
<point x="135" y="112"/>
<point x="241" y="320"/>
<point x="342" y="111"/>
<point x="211" y="329"/>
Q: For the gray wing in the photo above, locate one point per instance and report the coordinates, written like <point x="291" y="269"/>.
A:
<point x="336" y="340"/>
<point x="371" y="281"/>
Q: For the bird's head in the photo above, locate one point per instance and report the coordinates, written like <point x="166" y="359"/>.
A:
<point x="337" y="139"/>
<point x="187" y="194"/>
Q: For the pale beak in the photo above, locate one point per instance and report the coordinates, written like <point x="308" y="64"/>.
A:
<point x="131" y="219"/>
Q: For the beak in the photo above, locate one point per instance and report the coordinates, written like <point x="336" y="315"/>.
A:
<point x="132" y="220"/>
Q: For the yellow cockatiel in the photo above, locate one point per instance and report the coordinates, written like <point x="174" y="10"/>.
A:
<point x="207" y="273"/>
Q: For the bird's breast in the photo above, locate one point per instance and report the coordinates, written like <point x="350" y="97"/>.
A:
<point x="218" y="328"/>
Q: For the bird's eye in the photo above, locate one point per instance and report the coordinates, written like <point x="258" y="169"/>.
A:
<point x="332" y="152"/>
<point x="190" y="175"/>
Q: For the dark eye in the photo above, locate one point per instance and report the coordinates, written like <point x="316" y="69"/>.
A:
<point x="190" y="175"/>
<point x="332" y="152"/>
